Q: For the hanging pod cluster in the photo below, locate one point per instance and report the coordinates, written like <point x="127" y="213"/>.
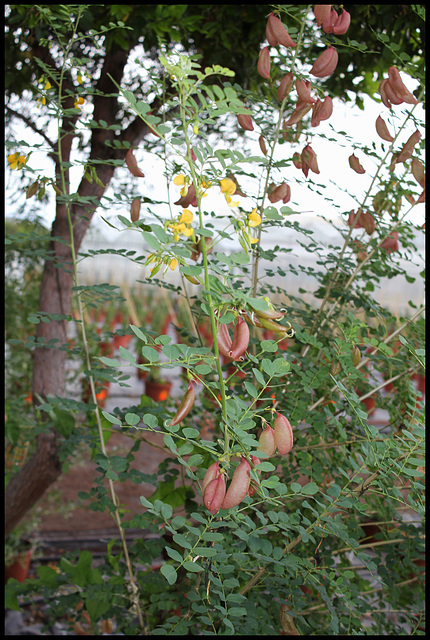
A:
<point x="216" y="496"/>
<point x="269" y="319"/>
<point x="236" y="347"/>
<point x="280" y="437"/>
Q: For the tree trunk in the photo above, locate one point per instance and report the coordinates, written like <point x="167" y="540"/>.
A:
<point x="49" y="367"/>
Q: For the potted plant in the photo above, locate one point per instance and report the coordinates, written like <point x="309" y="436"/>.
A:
<point x="157" y="386"/>
<point x="20" y="547"/>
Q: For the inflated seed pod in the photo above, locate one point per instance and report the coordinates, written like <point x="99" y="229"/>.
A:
<point x="267" y="441"/>
<point x="239" y="485"/>
<point x="185" y="406"/>
<point x="214" y="493"/>
<point x="283" y="434"/>
<point x="356" y="355"/>
<point x="240" y="340"/>
<point x="224" y="340"/>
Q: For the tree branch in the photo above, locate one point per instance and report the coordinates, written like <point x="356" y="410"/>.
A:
<point x="29" y="122"/>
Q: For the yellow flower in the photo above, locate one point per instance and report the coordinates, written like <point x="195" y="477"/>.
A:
<point x="254" y="219"/>
<point x="227" y="186"/>
<point x="186" y="216"/>
<point x="253" y="240"/>
<point x="78" y="102"/>
<point x="79" y="79"/>
<point x="173" y="264"/>
<point x="196" y="128"/>
<point x="179" y="180"/>
<point x="188" y="232"/>
<point x="16" y="161"/>
<point x="41" y="101"/>
<point x="47" y="85"/>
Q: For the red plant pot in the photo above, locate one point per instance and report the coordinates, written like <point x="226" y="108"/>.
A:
<point x="121" y="341"/>
<point x="158" y="391"/>
<point x="20" y="567"/>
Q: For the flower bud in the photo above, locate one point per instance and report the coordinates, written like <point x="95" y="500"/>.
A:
<point x="263" y="66"/>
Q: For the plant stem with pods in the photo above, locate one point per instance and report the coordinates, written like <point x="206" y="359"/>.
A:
<point x="333" y="279"/>
<point x="132" y="587"/>
<point x="254" y="277"/>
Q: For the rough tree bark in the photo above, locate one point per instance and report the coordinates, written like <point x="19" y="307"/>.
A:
<point x="44" y="467"/>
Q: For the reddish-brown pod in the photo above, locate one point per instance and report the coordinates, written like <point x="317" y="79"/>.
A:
<point x="267" y="441"/>
<point x="326" y="63"/>
<point x="276" y="33"/>
<point x="342" y="23"/>
<point x="408" y="147"/>
<point x="382" y="130"/>
<point x="321" y="111"/>
<point x="239" y="485"/>
<point x="135" y="209"/>
<point x="396" y="82"/>
<point x="224" y="340"/>
<point x="304" y="91"/>
<point x="245" y="121"/>
<point x="186" y="405"/>
<point x="262" y="144"/>
<point x="240" y="341"/>
<point x="285" y="86"/>
<point x="263" y="65"/>
<point x="418" y="172"/>
<point x="131" y="163"/>
<point x="283" y="434"/>
<point x="354" y="163"/>
<point x="309" y="160"/>
<point x="321" y="12"/>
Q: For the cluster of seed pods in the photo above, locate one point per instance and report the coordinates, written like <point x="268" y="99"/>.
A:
<point x="236" y="347"/>
<point x="216" y="496"/>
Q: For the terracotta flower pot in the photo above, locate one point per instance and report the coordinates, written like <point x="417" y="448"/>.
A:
<point x="19" y="568"/>
<point x="158" y="391"/>
<point x="121" y="341"/>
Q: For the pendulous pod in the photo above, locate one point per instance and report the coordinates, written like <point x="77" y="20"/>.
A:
<point x="382" y="130"/>
<point x="213" y="489"/>
<point x="276" y="33"/>
<point x="240" y="340"/>
<point x="283" y="434"/>
<point x="186" y="404"/>
<point x="239" y="485"/>
<point x="326" y="63"/>
<point x="131" y="163"/>
<point x="267" y="441"/>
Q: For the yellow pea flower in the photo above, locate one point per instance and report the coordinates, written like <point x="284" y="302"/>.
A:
<point x="79" y="79"/>
<point x="188" y="232"/>
<point x="173" y="264"/>
<point x="47" y="85"/>
<point x="186" y="216"/>
<point x="227" y="186"/>
<point x="16" y="161"/>
<point x="254" y="219"/>
<point x="179" y="180"/>
<point x="253" y="240"/>
<point x="78" y="102"/>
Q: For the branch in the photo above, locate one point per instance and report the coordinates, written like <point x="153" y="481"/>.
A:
<point x="31" y="124"/>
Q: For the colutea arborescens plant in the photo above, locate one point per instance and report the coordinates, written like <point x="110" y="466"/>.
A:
<point x="262" y="520"/>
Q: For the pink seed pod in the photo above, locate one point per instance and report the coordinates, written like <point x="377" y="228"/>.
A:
<point x="321" y="111"/>
<point x="297" y="160"/>
<point x="212" y="472"/>
<point x="301" y="110"/>
<point x="240" y="340"/>
<point x="326" y="63"/>
<point x="135" y="209"/>
<point x="342" y="23"/>
<point x="383" y="93"/>
<point x="267" y="441"/>
<point x="321" y="12"/>
<point x="245" y="122"/>
<point x="309" y="160"/>
<point x="280" y="193"/>
<point x="224" y="340"/>
<point x="303" y="91"/>
<point x="330" y="21"/>
<point x="253" y="487"/>
<point x="283" y="434"/>
<point x="382" y="130"/>
<point x="239" y="485"/>
<point x="391" y="243"/>
<point x="354" y="163"/>
<point x="214" y="494"/>
<point x="263" y="65"/>
<point x="356" y="216"/>
<point x="277" y="33"/>
<point x="131" y="163"/>
<point x="368" y="223"/>
<point x="408" y="147"/>
<point x="418" y="172"/>
<point x="392" y="95"/>
<point x="398" y="86"/>
<point x="285" y="86"/>
<point x="189" y="200"/>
